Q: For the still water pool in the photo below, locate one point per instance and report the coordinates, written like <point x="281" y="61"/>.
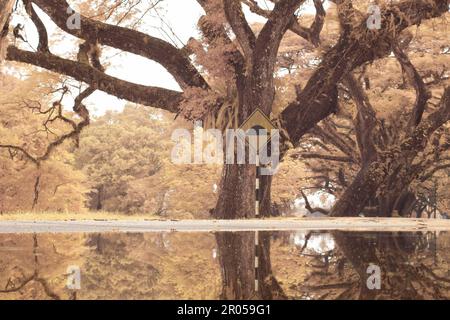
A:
<point x="226" y="265"/>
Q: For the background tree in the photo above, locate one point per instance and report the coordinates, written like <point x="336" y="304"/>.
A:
<point x="27" y="129"/>
<point x="126" y="158"/>
<point x="378" y="110"/>
<point x="117" y="149"/>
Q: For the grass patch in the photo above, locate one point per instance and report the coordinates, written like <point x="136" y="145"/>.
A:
<point x="77" y="216"/>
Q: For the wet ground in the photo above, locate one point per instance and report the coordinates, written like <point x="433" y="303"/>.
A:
<point x="302" y="264"/>
<point x="285" y="224"/>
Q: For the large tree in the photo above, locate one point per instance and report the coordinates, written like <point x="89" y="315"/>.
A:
<point x="380" y="108"/>
<point x="240" y="73"/>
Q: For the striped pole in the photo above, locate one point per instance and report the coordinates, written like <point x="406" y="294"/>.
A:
<point x="257" y="204"/>
<point x="256" y="260"/>
<point x="257" y="192"/>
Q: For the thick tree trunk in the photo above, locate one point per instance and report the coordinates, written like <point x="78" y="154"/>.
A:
<point x="394" y="167"/>
<point x="365" y="187"/>
<point x="405" y="204"/>
<point x="236" y="256"/>
<point x="237" y="259"/>
<point x="237" y="192"/>
<point x="5" y="12"/>
<point x="400" y="201"/>
<point x="266" y="203"/>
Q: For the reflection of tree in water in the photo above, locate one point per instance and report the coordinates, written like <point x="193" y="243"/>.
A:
<point x="237" y="259"/>
<point x="412" y="266"/>
<point x="18" y="284"/>
<point x="148" y="266"/>
<point x="111" y="270"/>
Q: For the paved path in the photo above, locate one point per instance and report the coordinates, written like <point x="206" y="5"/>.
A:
<point x="348" y="224"/>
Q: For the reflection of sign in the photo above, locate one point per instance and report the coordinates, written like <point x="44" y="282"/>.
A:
<point x="258" y="121"/>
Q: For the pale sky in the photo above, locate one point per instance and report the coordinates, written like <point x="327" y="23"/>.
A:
<point x="181" y="15"/>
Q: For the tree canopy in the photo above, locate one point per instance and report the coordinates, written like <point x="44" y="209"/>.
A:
<point x="376" y="101"/>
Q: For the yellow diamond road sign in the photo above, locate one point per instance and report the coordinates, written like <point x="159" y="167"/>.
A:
<point x="258" y="121"/>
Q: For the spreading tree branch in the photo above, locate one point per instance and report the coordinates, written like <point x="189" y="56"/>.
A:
<point x="265" y="53"/>
<point x="354" y="48"/>
<point x="151" y="96"/>
<point x="390" y="162"/>
<point x="40" y="27"/>
<point x="170" y="57"/>
<point x="312" y="34"/>
<point x="81" y="111"/>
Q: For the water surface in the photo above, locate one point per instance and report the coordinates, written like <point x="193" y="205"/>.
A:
<point x="227" y="265"/>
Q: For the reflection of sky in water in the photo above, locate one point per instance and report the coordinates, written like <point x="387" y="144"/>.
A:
<point x="318" y="242"/>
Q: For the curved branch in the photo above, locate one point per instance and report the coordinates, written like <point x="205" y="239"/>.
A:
<point x="81" y="111"/>
<point x="422" y="94"/>
<point x="34" y="277"/>
<point x="311" y="34"/>
<point x="365" y="120"/>
<point x="21" y="150"/>
<point x="369" y="179"/>
<point x="42" y="31"/>
<point x="311" y="155"/>
<point x="151" y="96"/>
<point x="319" y="97"/>
<point x="266" y="50"/>
<point x="240" y="27"/>
<point x="273" y="31"/>
<point x="311" y="209"/>
<point x="319" y="21"/>
<point x="170" y="57"/>
<point x="20" y="286"/>
<point x="429" y="174"/>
